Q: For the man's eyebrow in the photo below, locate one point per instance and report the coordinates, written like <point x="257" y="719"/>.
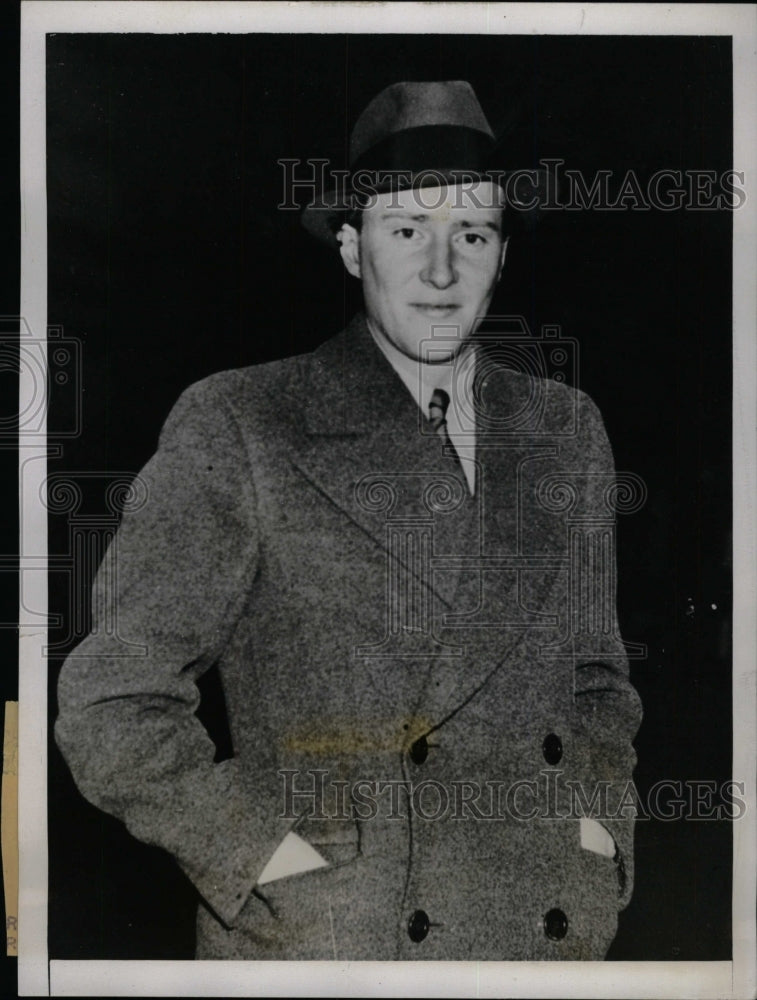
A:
<point x="400" y="214"/>
<point x="467" y="224"/>
<point x="407" y="215"/>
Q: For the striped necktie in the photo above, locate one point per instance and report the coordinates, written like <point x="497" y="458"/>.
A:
<point x="437" y="414"/>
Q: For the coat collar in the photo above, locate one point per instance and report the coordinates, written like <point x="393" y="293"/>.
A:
<point x="362" y="425"/>
<point x="366" y="439"/>
<point x="352" y="388"/>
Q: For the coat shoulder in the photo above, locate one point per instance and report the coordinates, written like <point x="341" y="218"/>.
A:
<point x="541" y="405"/>
<point x="268" y="381"/>
<point x="257" y="397"/>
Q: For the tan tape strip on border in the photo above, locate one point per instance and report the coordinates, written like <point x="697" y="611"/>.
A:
<point x="9" y="825"/>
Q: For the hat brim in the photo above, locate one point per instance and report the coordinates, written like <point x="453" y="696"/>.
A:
<point x="324" y="217"/>
<point x="324" y="220"/>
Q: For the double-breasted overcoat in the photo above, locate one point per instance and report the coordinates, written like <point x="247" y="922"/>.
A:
<point x="426" y="685"/>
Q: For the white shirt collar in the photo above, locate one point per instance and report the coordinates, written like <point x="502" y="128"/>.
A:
<point x="455" y="377"/>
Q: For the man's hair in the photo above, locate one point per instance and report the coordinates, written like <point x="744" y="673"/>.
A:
<point x="353" y="217"/>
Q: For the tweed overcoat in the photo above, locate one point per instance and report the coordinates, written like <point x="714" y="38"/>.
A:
<point x="422" y="683"/>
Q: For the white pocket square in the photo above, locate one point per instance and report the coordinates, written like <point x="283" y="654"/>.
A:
<point x="292" y="857"/>
<point x="594" y="837"/>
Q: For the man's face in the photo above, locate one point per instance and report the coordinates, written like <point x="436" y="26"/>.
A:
<point x="427" y="258"/>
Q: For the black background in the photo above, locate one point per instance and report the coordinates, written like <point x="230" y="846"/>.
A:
<point x="170" y="260"/>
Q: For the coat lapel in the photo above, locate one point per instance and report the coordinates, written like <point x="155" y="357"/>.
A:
<point x="488" y="618"/>
<point x="369" y="449"/>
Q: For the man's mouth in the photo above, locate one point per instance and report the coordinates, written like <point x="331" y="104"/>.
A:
<point x="435" y="310"/>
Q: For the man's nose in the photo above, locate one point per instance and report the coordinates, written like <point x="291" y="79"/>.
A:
<point x="439" y="268"/>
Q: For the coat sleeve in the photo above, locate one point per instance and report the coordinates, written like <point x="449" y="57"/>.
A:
<point x="608" y="705"/>
<point x="175" y="584"/>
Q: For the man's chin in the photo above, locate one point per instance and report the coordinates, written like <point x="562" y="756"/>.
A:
<point x="441" y="346"/>
<point x="431" y="341"/>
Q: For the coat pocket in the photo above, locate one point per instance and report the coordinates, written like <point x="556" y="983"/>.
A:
<point x="336" y="840"/>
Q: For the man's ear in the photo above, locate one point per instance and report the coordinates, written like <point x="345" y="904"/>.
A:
<point x="502" y="255"/>
<point x="349" y="240"/>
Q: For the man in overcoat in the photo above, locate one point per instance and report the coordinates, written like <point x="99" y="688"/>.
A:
<point x="399" y="553"/>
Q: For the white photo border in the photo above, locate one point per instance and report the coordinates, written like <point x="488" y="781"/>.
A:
<point x="38" y="975"/>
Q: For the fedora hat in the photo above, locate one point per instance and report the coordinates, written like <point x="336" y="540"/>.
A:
<point x="411" y="134"/>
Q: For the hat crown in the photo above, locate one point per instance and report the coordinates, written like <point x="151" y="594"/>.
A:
<point x="406" y="105"/>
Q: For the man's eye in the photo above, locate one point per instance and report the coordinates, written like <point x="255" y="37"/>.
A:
<point x="406" y="233"/>
<point x="474" y="239"/>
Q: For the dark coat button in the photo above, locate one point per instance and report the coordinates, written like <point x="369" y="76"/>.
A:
<point x="555" y="925"/>
<point x="418" y="925"/>
<point x="552" y="749"/>
<point x="419" y="750"/>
